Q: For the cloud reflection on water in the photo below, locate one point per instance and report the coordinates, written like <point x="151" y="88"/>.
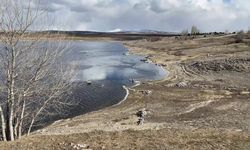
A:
<point x="105" y="61"/>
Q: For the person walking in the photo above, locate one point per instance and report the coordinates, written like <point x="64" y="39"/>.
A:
<point x="141" y="114"/>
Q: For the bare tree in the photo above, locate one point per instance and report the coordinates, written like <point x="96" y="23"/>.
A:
<point x="33" y="78"/>
<point x="226" y="32"/>
<point x="3" y="126"/>
<point x="194" y="30"/>
<point x="248" y="32"/>
<point x="184" y="34"/>
<point x="239" y="36"/>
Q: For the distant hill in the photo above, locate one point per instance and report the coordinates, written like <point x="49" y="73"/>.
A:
<point x="146" y="31"/>
<point x="140" y="33"/>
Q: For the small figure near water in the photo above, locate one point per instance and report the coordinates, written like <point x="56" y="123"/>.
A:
<point x="126" y="54"/>
<point x="141" y="114"/>
<point x="88" y="82"/>
<point x="133" y="80"/>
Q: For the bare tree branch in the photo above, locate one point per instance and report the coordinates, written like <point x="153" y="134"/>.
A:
<point x="32" y="75"/>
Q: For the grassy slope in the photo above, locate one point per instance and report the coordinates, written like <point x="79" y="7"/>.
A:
<point x="212" y="112"/>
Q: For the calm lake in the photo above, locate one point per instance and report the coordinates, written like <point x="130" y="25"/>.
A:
<point x="107" y="67"/>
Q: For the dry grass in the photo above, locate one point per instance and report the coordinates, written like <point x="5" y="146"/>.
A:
<point x="147" y="139"/>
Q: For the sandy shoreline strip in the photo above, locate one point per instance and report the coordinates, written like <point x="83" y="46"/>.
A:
<point x="138" y="82"/>
<point x="126" y="96"/>
<point x="127" y="92"/>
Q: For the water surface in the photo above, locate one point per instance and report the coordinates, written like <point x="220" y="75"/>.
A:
<point x="108" y="61"/>
<point x="107" y="67"/>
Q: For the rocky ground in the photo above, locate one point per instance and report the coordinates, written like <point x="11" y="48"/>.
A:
<point x="204" y="103"/>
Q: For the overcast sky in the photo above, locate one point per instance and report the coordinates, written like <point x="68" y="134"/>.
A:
<point x="165" y="15"/>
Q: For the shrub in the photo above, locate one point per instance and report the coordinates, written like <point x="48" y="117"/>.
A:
<point x="194" y="30"/>
<point x="248" y="34"/>
<point x="239" y="36"/>
<point x="154" y="39"/>
<point x="184" y="34"/>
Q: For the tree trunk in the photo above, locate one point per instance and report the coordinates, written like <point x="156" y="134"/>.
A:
<point x="10" y="115"/>
<point x="21" y="120"/>
<point x="35" y="116"/>
<point x="3" y="126"/>
<point x="31" y="125"/>
<point x="11" y="96"/>
<point x="16" y="127"/>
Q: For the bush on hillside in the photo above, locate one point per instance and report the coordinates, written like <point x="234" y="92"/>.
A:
<point x="239" y="37"/>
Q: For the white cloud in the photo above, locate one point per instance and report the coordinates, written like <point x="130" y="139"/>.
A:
<point x="115" y="30"/>
<point x="167" y="15"/>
